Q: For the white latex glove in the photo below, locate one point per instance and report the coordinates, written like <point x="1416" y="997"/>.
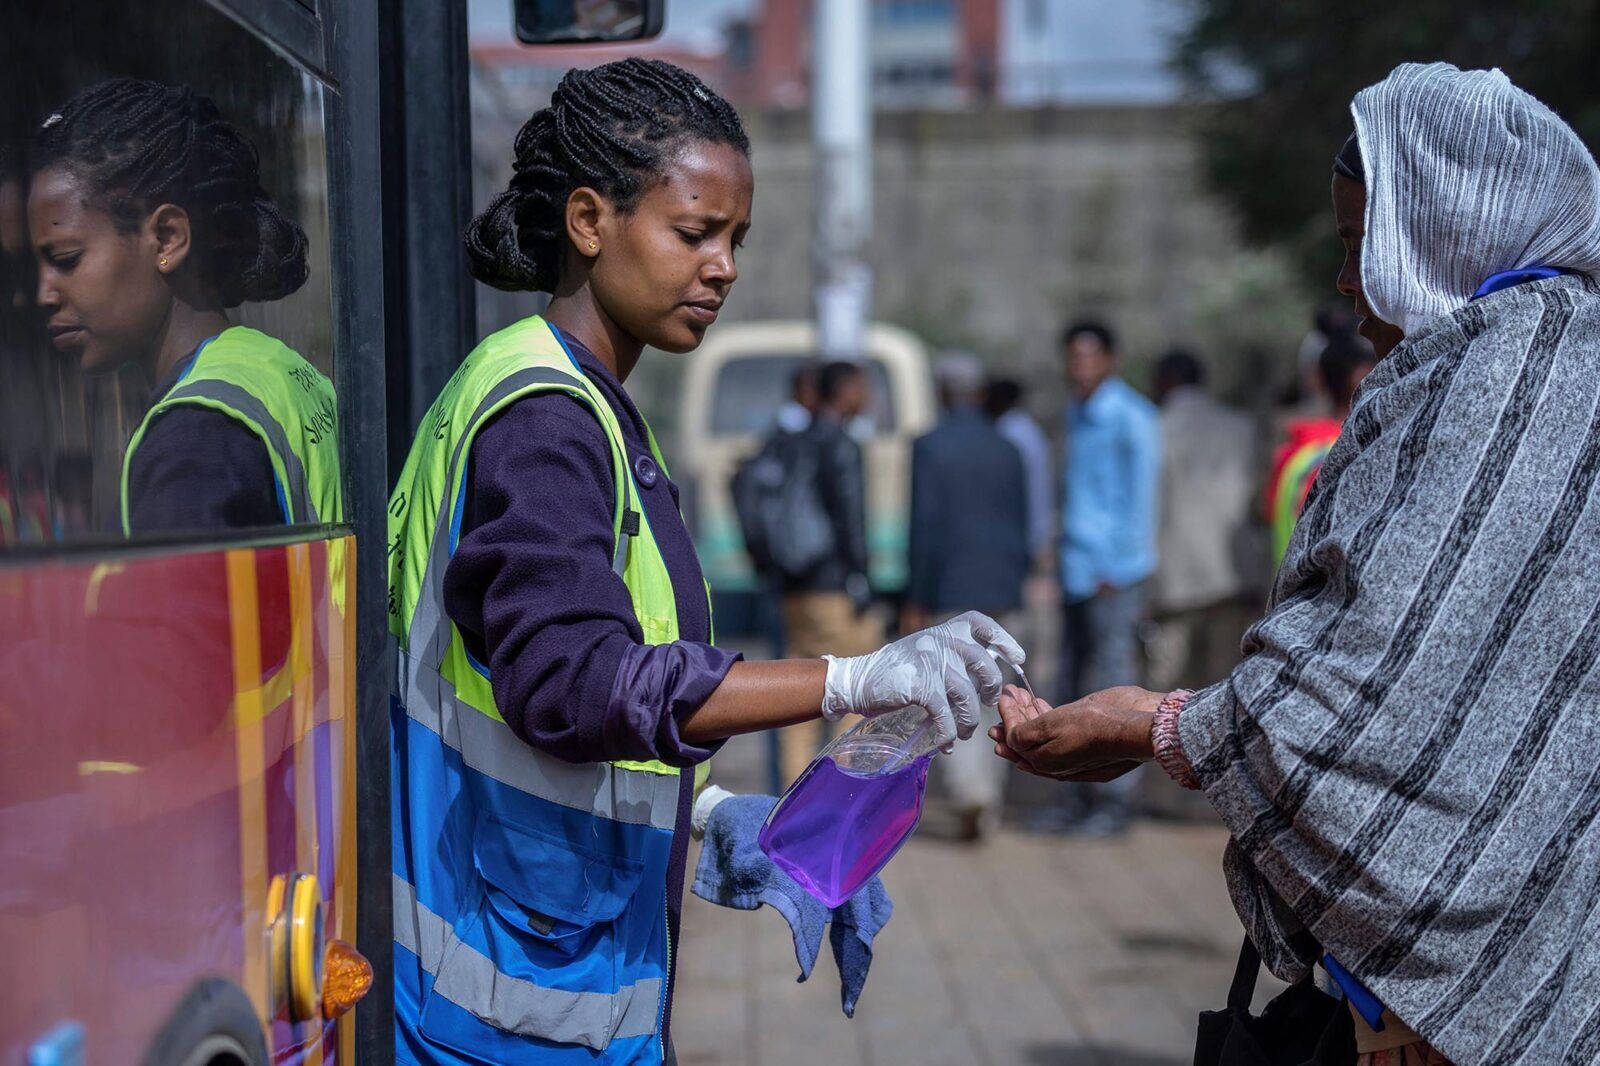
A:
<point x="704" y="804"/>
<point x="946" y="669"/>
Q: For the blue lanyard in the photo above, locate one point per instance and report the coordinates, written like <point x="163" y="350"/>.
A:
<point x="189" y="360"/>
<point x="1362" y="999"/>
<point x="1505" y="279"/>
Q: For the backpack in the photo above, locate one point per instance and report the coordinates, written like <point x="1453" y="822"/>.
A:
<point x="775" y="496"/>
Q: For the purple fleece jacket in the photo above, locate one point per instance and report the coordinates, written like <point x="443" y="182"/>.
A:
<point x="532" y="590"/>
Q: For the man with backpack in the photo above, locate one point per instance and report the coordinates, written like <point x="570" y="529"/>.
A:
<point x="801" y="503"/>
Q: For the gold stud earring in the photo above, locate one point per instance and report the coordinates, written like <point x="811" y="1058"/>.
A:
<point x="594" y="246"/>
<point x="162" y="261"/>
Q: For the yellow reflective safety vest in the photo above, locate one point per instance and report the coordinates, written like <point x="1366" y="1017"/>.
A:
<point x="530" y="908"/>
<point x="268" y="388"/>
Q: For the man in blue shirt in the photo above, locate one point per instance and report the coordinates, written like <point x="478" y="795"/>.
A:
<point x="1112" y="472"/>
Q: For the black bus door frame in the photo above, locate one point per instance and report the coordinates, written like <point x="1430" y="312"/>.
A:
<point x="351" y="38"/>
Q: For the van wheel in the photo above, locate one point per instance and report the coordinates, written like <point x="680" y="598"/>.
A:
<point x="215" y="1025"/>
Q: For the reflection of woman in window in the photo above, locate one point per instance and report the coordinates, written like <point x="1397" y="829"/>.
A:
<point x="149" y="222"/>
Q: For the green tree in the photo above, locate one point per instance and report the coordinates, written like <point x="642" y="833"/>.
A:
<point x="1281" y="74"/>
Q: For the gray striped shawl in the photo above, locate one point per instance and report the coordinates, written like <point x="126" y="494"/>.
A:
<point x="1408" y="758"/>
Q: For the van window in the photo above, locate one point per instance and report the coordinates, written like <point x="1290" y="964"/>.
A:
<point x="750" y="388"/>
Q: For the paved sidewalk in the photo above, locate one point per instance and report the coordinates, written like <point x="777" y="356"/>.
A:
<point x="1020" y="950"/>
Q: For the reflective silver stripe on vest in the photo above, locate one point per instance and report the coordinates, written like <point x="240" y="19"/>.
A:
<point x="245" y="403"/>
<point x="468" y="978"/>
<point x="636" y="797"/>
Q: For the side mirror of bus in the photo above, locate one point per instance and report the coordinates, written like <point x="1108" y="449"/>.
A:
<point x="587" y="21"/>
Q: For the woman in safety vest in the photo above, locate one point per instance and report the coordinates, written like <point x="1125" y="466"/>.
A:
<point x="150" y="223"/>
<point x="556" y="672"/>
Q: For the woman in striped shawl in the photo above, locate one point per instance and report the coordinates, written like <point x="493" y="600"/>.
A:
<point x="1408" y="756"/>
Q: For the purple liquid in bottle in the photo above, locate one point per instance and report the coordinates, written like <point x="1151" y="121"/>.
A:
<point x="833" y="830"/>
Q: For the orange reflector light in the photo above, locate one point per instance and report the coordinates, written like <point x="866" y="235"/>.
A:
<point x="346" y="977"/>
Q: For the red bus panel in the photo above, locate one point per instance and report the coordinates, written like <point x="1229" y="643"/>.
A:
<point x="176" y="731"/>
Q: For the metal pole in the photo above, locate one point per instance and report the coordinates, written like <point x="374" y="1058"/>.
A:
<point x="427" y="191"/>
<point x="841" y="134"/>
<point x="356" y="56"/>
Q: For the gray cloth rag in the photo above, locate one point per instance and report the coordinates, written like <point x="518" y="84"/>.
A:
<point x="735" y="872"/>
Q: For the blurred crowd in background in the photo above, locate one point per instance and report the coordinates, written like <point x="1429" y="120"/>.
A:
<point x="1128" y="536"/>
<point x="1114" y="222"/>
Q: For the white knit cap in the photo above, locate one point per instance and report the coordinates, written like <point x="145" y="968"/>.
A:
<point x="1467" y="175"/>
<point x="959" y="370"/>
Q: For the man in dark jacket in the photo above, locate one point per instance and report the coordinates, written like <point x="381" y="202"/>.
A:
<point x="825" y="612"/>
<point x="969" y="551"/>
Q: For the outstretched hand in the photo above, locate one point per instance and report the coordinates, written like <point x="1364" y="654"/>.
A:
<point x="1098" y="738"/>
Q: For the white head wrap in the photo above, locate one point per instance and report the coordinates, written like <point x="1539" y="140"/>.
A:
<point x="1467" y="175"/>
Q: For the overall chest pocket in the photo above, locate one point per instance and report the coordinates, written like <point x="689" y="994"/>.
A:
<point x="550" y="887"/>
<point x="549" y="950"/>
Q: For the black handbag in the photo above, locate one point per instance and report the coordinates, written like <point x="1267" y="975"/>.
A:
<point x="1303" y="1026"/>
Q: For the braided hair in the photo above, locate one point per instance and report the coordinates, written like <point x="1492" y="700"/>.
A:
<point x="141" y="144"/>
<point x="613" y="129"/>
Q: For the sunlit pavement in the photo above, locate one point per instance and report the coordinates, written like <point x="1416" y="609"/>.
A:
<point x="1020" y="949"/>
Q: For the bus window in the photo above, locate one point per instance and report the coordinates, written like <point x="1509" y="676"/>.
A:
<point x="177" y="728"/>
<point x="166" y="348"/>
<point x="750" y="388"/>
